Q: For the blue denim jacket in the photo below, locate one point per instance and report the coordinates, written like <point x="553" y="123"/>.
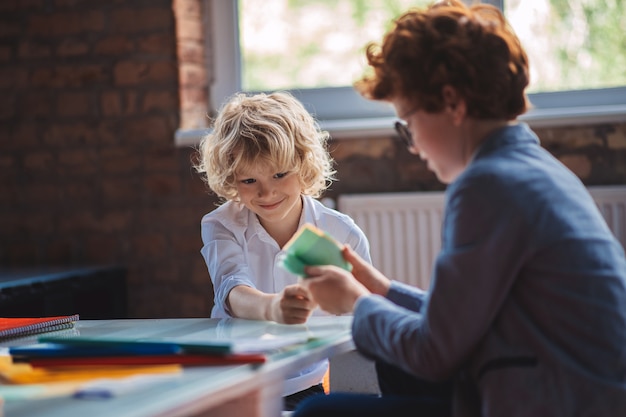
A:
<point x="527" y="306"/>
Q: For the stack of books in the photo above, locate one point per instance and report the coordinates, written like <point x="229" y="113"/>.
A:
<point x="56" y="350"/>
<point x="98" y="351"/>
<point x="66" y="363"/>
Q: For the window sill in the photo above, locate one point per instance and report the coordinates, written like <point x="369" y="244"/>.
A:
<point x="383" y="126"/>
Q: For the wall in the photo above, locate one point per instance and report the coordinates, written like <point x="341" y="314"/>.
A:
<point x="91" y="95"/>
<point x="596" y="153"/>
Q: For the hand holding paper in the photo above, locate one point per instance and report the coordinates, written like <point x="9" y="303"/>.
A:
<point x="292" y="305"/>
<point x="312" y="246"/>
<point x="337" y="291"/>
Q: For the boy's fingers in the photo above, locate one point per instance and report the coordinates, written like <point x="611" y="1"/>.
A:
<point x="351" y="256"/>
<point x="312" y="271"/>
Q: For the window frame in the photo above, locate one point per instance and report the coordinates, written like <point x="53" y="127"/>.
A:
<point x="345" y="114"/>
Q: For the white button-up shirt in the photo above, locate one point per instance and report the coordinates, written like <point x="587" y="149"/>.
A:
<point x="238" y="251"/>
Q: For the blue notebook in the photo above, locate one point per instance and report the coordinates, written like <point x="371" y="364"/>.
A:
<point x="155" y="346"/>
<point x="68" y="350"/>
<point x="139" y="345"/>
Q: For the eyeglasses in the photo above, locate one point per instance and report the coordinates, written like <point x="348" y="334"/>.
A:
<point x="405" y="134"/>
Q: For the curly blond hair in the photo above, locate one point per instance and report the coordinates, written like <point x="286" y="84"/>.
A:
<point x="272" y="130"/>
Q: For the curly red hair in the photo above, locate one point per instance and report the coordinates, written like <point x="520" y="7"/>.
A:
<point x="473" y="49"/>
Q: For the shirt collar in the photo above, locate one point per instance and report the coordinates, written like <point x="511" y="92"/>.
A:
<point x="257" y="229"/>
<point x="509" y="135"/>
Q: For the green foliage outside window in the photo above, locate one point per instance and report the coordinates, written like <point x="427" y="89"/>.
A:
<point x="288" y="44"/>
<point x="573" y="44"/>
<point x="291" y="44"/>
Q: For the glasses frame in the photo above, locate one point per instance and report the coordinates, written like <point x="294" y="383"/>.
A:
<point x="403" y="131"/>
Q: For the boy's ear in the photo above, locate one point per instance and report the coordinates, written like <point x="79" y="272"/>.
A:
<point x="454" y="103"/>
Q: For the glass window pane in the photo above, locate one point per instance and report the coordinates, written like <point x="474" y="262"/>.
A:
<point x="293" y="44"/>
<point x="572" y="44"/>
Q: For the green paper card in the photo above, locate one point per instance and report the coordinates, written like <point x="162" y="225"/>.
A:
<point x="312" y="246"/>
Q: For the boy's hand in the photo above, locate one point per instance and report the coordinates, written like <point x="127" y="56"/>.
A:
<point x="293" y="305"/>
<point x="335" y="289"/>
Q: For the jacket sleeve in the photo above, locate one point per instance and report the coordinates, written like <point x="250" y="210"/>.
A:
<point x="406" y="296"/>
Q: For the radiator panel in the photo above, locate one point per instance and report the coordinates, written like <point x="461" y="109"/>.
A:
<point x="612" y="204"/>
<point x="404" y="230"/>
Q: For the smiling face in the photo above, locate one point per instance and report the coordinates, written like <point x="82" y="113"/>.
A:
<point x="275" y="197"/>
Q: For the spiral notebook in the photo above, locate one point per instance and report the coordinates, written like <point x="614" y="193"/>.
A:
<point x="11" y="327"/>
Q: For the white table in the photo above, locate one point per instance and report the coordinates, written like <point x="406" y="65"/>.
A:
<point x="234" y="390"/>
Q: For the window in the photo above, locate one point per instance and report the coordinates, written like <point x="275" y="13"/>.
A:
<point x="572" y="45"/>
<point x="576" y="47"/>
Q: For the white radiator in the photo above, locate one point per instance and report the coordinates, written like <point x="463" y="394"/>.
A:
<point x="404" y="229"/>
<point x="611" y="201"/>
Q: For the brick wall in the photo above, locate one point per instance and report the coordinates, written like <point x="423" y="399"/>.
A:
<point x="91" y="95"/>
<point x="596" y="153"/>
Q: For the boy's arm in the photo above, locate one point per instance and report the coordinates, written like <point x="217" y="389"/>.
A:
<point x="292" y="305"/>
<point x="226" y="263"/>
<point x="249" y="303"/>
